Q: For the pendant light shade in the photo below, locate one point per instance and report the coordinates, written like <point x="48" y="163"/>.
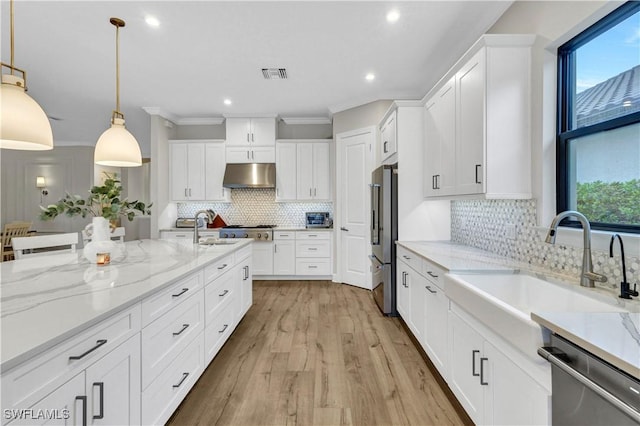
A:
<point x="116" y="146"/>
<point x="23" y="123"/>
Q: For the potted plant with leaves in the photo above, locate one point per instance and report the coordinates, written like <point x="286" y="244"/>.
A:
<point x="105" y="204"/>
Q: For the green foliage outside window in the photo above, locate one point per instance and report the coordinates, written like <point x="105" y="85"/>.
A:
<point x="610" y="202"/>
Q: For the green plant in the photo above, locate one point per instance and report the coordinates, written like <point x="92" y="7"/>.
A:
<point x="102" y="201"/>
<point x="610" y="202"/>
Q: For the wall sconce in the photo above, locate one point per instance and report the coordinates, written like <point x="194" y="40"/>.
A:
<point x="42" y="184"/>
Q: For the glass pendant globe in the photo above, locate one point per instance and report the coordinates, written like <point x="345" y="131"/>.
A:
<point x="23" y="123"/>
<point x="117" y="147"/>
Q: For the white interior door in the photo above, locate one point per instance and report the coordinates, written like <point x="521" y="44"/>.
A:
<point x="354" y="165"/>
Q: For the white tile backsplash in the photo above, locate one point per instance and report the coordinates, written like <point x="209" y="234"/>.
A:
<point x="482" y="224"/>
<point x="257" y="206"/>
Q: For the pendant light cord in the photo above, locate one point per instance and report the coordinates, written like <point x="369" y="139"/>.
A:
<point x="12" y="36"/>
<point x="117" y="69"/>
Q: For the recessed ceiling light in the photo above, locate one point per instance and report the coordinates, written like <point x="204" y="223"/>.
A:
<point x="227" y="101"/>
<point x="370" y="77"/>
<point x="393" y="16"/>
<point x="152" y="21"/>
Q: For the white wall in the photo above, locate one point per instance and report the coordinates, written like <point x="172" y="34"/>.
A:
<point x="164" y="212"/>
<point x="65" y="169"/>
<point x="360" y="117"/>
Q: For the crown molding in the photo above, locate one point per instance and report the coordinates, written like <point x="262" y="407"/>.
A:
<point x="182" y="121"/>
<point x="306" y="120"/>
<point x="238" y="115"/>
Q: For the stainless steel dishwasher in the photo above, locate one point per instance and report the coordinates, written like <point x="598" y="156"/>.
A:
<point x="588" y="391"/>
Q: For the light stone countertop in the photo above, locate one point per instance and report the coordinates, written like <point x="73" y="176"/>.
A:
<point x="612" y="336"/>
<point x="301" y="228"/>
<point x="49" y="298"/>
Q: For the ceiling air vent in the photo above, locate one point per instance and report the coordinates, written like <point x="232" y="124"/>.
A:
<point x="274" y="73"/>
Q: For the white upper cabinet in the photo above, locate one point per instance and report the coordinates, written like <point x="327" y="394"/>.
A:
<point x="388" y="138"/>
<point x="251" y="131"/>
<point x="478" y="123"/>
<point x="196" y="170"/>
<point x="187" y="171"/>
<point x="258" y="154"/>
<point x="286" y="171"/>
<point x="440" y="132"/>
<point x="313" y="171"/>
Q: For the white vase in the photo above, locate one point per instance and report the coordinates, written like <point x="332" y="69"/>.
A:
<point x="100" y="233"/>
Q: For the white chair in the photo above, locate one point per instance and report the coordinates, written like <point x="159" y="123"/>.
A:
<point x="56" y="243"/>
<point x="116" y="234"/>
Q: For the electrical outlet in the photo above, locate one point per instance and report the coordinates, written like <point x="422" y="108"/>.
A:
<point x="510" y="231"/>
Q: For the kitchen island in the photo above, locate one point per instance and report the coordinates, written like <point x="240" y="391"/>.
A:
<point x="171" y="304"/>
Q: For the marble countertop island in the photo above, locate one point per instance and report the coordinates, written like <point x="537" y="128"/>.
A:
<point x="47" y="299"/>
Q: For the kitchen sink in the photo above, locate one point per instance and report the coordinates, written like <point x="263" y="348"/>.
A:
<point x="504" y="303"/>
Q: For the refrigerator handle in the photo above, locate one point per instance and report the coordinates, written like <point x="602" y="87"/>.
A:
<point x="375" y="219"/>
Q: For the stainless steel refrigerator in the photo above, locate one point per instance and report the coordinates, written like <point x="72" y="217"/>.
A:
<point x="384" y="233"/>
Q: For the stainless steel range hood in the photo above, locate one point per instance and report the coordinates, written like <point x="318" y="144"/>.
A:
<point x="250" y="175"/>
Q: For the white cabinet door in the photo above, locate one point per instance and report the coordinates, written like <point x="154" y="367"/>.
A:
<point x="435" y="327"/>
<point x="215" y="166"/>
<point x="286" y="171"/>
<point x="304" y="171"/>
<point x="263" y="131"/>
<point x="465" y="349"/>
<point x="246" y="285"/>
<point x="511" y="396"/>
<point x="440" y="142"/>
<point x="284" y="257"/>
<point x="263" y="155"/>
<point x="321" y="171"/>
<point x="113" y="386"/>
<point x="262" y="258"/>
<point x="238" y="131"/>
<point x="69" y="401"/>
<point x="403" y="296"/>
<point x="179" y="164"/>
<point x="416" y="283"/>
<point x="470" y="91"/>
<point x="388" y="142"/>
<point x="195" y="170"/>
<point x="238" y="155"/>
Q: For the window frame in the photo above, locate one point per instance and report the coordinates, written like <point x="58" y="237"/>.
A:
<point x="566" y="77"/>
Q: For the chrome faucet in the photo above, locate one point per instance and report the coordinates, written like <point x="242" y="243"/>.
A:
<point x="625" y="288"/>
<point x="196" y="237"/>
<point x="587" y="276"/>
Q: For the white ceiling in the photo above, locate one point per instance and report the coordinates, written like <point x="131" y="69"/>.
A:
<point x="206" y="51"/>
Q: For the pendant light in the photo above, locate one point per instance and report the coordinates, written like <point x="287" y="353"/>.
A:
<point x="116" y="146"/>
<point x="23" y="123"/>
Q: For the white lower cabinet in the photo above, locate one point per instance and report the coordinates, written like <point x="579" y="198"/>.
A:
<point x="263" y="258"/>
<point x="403" y="296"/>
<point x="491" y="386"/>
<point x="245" y="268"/>
<point x="436" y="310"/>
<point x="313" y="253"/>
<point x="284" y="253"/>
<point x="412" y="297"/>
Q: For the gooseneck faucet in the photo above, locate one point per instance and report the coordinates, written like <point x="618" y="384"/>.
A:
<point x="587" y="276"/>
<point x="625" y="289"/>
<point x="196" y="237"/>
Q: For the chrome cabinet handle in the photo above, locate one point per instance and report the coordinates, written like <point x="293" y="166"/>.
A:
<point x="247" y="137"/>
<point x="247" y="153"/>
<point x="189" y="192"/>
<point x="98" y="344"/>
<point x="313" y="267"/>
<point x="223" y="328"/>
<point x="473" y="362"/>
<point x="309" y="192"/>
<point x="315" y="192"/>
<point x="185" y="192"/>
<point x="312" y="248"/>
<point x="406" y="257"/>
<point x="184" y="290"/>
<point x="384" y="146"/>
<point x="184" y="377"/>
<point x="482" y="382"/>
<point x="100" y="386"/>
<point x="342" y="228"/>
<point x="184" y="327"/>
<point x="224" y="293"/>
<point x="222" y="267"/>
<point x="253" y="153"/>
<point x="252" y="137"/>
<point x="430" y="291"/>
<point x="431" y="274"/>
<point x="83" y="398"/>
<point x="275" y="248"/>
<point x="477" y="167"/>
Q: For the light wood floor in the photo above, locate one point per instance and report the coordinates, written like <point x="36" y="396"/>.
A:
<point x="316" y="353"/>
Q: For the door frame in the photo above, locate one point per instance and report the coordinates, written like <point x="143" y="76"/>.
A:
<point x="340" y="176"/>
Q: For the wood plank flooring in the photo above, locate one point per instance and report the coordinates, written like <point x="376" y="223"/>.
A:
<point x="316" y="353"/>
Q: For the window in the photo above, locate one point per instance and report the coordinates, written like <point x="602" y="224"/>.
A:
<point x="598" y="146"/>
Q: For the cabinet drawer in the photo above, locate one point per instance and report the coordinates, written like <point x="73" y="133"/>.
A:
<point x="320" y="248"/>
<point x="211" y="272"/>
<point x="313" y="266"/>
<point x="155" y="306"/>
<point x="410" y="258"/>
<point x="221" y="325"/>
<point x="216" y="293"/>
<point x="284" y="235"/>
<point x="170" y="235"/>
<point x="163" y="396"/>
<point x="26" y="384"/>
<point x="163" y="339"/>
<point x="313" y="235"/>
<point x="433" y="273"/>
